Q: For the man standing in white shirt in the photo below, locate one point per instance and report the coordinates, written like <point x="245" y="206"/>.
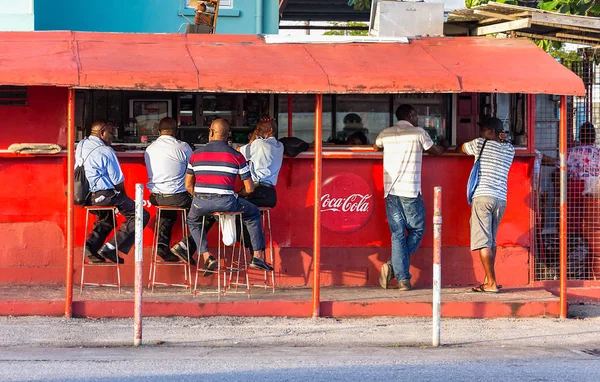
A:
<point x="166" y="161"/>
<point x="403" y="145"/>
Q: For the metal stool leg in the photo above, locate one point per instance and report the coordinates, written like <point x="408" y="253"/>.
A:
<point x="243" y="253"/>
<point x="199" y="257"/>
<point x="271" y="250"/>
<point x="116" y="249"/>
<point x="85" y="264"/>
<point x="187" y="269"/>
<point x="154" y="251"/>
<point x="85" y="234"/>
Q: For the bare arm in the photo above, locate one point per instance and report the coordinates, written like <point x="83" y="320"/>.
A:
<point x="461" y="149"/>
<point x="377" y="148"/>
<point x="190" y="181"/>
<point x="248" y="186"/>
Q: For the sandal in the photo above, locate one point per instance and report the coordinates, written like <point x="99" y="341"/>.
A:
<point x="481" y="289"/>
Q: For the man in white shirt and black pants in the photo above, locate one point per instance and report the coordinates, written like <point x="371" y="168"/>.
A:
<point x="265" y="156"/>
<point x="166" y="161"/>
<point x="403" y="145"/>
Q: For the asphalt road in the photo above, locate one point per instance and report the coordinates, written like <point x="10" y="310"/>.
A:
<point x="285" y="349"/>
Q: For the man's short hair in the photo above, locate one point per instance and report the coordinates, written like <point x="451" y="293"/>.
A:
<point x="404" y="111"/>
<point x="167" y="123"/>
<point x="262" y="128"/>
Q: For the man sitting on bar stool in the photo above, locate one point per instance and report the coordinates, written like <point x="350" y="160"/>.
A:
<point x="166" y="161"/>
<point x="105" y="177"/>
<point x="265" y="154"/>
<point x="211" y="177"/>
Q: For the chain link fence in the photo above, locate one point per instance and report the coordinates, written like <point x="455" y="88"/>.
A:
<point x="583" y="191"/>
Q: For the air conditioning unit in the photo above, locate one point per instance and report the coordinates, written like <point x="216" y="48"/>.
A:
<point x="393" y="18"/>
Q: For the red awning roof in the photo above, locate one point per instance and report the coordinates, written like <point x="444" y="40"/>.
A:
<point x="242" y="63"/>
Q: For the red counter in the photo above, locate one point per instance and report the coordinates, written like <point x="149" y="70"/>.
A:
<point x="356" y="238"/>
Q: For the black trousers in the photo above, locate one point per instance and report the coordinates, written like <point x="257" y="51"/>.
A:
<point x="168" y="218"/>
<point x="263" y="196"/>
<point x="104" y="225"/>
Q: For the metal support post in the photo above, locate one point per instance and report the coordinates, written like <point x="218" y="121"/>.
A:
<point x="437" y="264"/>
<point x="139" y="239"/>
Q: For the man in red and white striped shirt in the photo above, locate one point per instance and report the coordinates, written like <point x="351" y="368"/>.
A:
<point x="211" y="177"/>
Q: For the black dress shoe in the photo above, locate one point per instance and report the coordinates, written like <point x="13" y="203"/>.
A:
<point x="210" y="266"/>
<point x="167" y="256"/>
<point x="257" y="263"/>
<point x="111" y="255"/>
<point x="182" y="254"/>
<point x="93" y="257"/>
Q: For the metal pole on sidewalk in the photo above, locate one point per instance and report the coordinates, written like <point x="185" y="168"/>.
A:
<point x="563" y="205"/>
<point x="139" y="238"/>
<point x="437" y="264"/>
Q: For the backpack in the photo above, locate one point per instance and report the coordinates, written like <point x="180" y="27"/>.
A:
<point x="293" y="146"/>
<point x="81" y="185"/>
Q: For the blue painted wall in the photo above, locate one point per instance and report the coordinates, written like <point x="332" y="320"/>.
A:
<point x="148" y="16"/>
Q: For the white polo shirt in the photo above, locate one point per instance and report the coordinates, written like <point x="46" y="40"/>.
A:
<point x="265" y="156"/>
<point x="403" y="145"/>
<point x="166" y="161"/>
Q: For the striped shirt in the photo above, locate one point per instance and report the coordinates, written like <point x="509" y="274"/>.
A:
<point x="403" y="145"/>
<point x="496" y="160"/>
<point x="215" y="167"/>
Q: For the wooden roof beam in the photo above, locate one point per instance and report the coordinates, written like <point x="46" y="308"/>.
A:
<point x="502" y="16"/>
<point x="501" y="27"/>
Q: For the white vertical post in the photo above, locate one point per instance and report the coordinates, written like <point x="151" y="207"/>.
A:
<point x="139" y="238"/>
<point x="437" y="264"/>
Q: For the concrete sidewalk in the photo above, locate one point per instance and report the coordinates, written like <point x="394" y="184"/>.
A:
<point x="580" y="332"/>
<point x="39" y="299"/>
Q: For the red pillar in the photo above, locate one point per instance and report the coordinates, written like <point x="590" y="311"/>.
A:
<point x="70" y="202"/>
<point x="317" y="211"/>
<point x="563" y="206"/>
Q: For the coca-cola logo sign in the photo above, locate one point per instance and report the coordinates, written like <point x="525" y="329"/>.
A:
<point x="346" y="203"/>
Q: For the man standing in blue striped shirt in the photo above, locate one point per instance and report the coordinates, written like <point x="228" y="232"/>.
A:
<point x="107" y="188"/>
<point x="489" y="199"/>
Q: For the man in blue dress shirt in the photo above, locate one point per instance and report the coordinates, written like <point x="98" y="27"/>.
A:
<point x="107" y="188"/>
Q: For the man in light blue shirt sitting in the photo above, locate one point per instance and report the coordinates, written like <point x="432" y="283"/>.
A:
<point x="265" y="154"/>
<point x="107" y="188"/>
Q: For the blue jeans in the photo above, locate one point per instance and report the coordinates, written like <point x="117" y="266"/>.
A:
<point x="404" y="215"/>
<point x="227" y="203"/>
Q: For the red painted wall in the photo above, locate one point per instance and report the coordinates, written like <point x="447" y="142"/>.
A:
<point x="43" y="120"/>
<point x="33" y="202"/>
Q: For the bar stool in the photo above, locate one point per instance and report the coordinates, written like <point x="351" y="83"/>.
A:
<point x="155" y="262"/>
<point x="266" y="215"/>
<point x="85" y="263"/>
<point x="238" y="263"/>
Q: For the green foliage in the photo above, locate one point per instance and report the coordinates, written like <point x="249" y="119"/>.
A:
<point x="565" y="58"/>
<point x="474" y="3"/>
<point x="360" y="5"/>
<point x="571" y="7"/>
<point x="347" y="32"/>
